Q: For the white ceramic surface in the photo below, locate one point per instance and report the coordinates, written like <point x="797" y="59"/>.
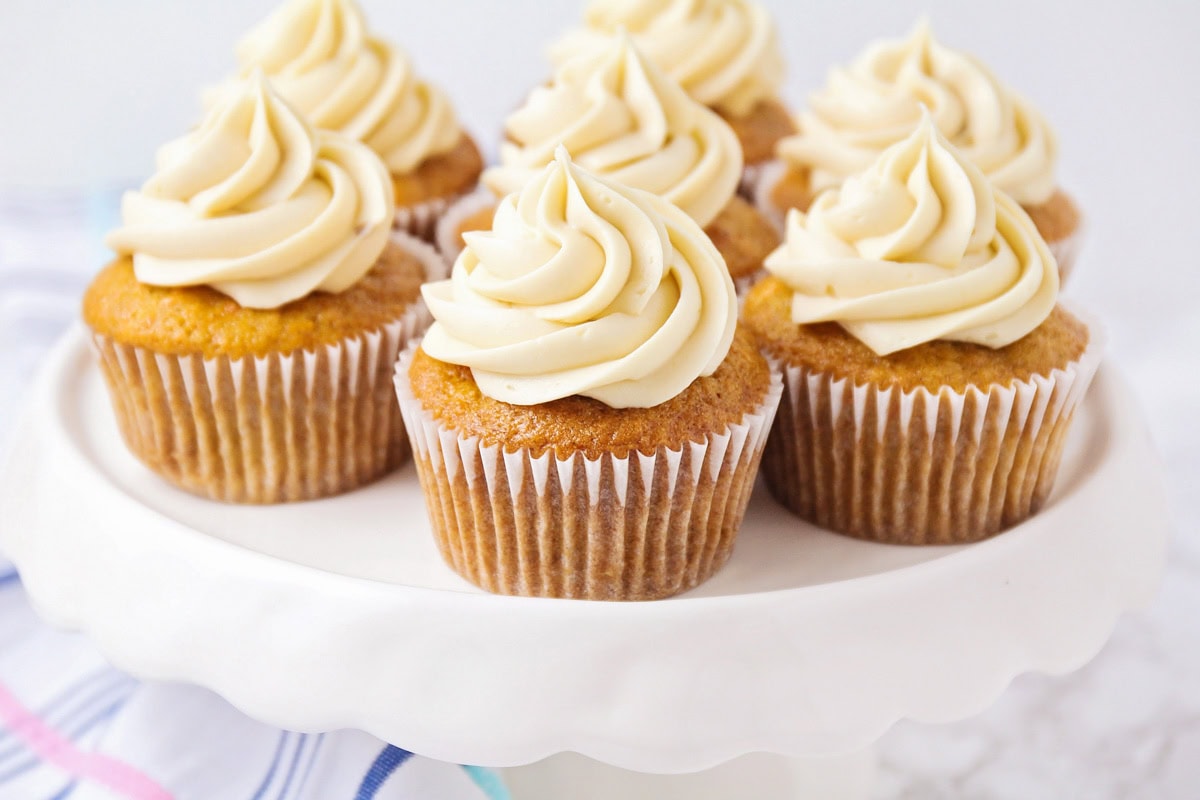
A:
<point x="340" y="614"/>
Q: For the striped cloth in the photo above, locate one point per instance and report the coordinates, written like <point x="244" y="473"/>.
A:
<point x="72" y="726"/>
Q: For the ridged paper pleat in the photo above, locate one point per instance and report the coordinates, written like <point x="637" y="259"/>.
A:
<point x="635" y="528"/>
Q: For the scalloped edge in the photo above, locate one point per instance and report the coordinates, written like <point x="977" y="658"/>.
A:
<point x="627" y="672"/>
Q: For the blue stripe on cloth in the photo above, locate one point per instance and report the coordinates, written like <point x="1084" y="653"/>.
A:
<point x="312" y="760"/>
<point x="266" y="781"/>
<point x="387" y="762"/>
<point x="489" y="782"/>
<point x="9" y="577"/>
<point x="291" y="773"/>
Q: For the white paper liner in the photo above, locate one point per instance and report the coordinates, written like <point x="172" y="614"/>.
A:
<point x="446" y="238"/>
<point x="769" y="176"/>
<point x="1066" y="252"/>
<point x="917" y="467"/>
<point x="634" y="528"/>
<point x="421" y="219"/>
<point x="271" y="429"/>
<point x="751" y="175"/>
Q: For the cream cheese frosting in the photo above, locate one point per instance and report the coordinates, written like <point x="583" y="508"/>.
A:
<point x="876" y="102"/>
<point x="259" y="206"/>
<point x="584" y="287"/>
<point x="917" y="248"/>
<point x="622" y="118"/>
<point x="322" y="59"/>
<point x="725" y="53"/>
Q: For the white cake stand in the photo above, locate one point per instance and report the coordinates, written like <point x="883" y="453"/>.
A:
<point x="340" y="614"/>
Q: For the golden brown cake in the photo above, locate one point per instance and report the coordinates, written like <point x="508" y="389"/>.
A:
<point x="877" y="100"/>
<point x="441" y="177"/>
<point x="760" y="129"/>
<point x="248" y="330"/>
<point x="929" y="377"/>
<point x="586" y="421"/>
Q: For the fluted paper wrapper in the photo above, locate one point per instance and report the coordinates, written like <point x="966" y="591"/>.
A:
<point x="766" y="179"/>
<point x="634" y="528"/>
<point x="921" y="467"/>
<point x="273" y="429"/>
<point x="446" y="238"/>
<point x="1066" y="252"/>
<point x="421" y="219"/>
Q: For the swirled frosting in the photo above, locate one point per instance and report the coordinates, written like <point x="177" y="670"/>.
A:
<point x="622" y="118"/>
<point x="321" y="58"/>
<point x="584" y="287"/>
<point x="725" y="53"/>
<point x="917" y="248"/>
<point x="258" y="206"/>
<point x="877" y="100"/>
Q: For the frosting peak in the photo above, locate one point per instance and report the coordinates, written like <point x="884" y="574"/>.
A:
<point x="723" y="52"/>
<point x="876" y="102"/>
<point x="584" y="287"/>
<point x="257" y="205"/>
<point x="919" y="247"/>
<point x="622" y="118"/>
<point x="322" y="59"/>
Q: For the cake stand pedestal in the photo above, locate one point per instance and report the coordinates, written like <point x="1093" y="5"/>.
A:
<point x="340" y="614"/>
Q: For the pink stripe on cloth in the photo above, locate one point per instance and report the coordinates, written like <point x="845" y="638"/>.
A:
<point x="54" y="748"/>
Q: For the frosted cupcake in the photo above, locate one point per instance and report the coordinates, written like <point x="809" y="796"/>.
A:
<point x="725" y="54"/>
<point x="324" y="61"/>
<point x="249" y="326"/>
<point x="586" y="418"/>
<point x="930" y="376"/>
<point x="622" y="118"/>
<point x="876" y="102"/>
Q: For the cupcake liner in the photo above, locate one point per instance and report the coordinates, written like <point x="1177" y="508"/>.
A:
<point x="1066" y="251"/>
<point x="751" y="175"/>
<point x="640" y="527"/>
<point x="421" y="219"/>
<point x="745" y="283"/>
<point x="446" y="237"/>
<point x="768" y="177"/>
<point x="921" y="467"/>
<point x="270" y="429"/>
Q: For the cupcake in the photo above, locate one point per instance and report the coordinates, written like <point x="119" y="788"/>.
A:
<point x="622" y="118"/>
<point x="323" y="60"/>
<point x="586" y="418"/>
<point x="876" y="102"/>
<point x="724" y="53"/>
<point x="248" y="328"/>
<point x="930" y="377"/>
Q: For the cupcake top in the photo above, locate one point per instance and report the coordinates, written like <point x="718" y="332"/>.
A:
<point x="622" y="118"/>
<point x="724" y="53"/>
<point x="584" y="287"/>
<point x="919" y="247"/>
<point x="323" y="60"/>
<point x="876" y="102"/>
<point x="257" y="205"/>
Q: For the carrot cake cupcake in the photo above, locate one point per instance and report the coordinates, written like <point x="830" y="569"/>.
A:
<point x="725" y="54"/>
<point x="876" y="102"/>
<point x="321" y="57"/>
<point x="621" y="117"/>
<point x="248" y="329"/>
<point x="930" y="376"/>
<point x="587" y="419"/>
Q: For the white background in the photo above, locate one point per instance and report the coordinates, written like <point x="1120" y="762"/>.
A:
<point x="88" y="89"/>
